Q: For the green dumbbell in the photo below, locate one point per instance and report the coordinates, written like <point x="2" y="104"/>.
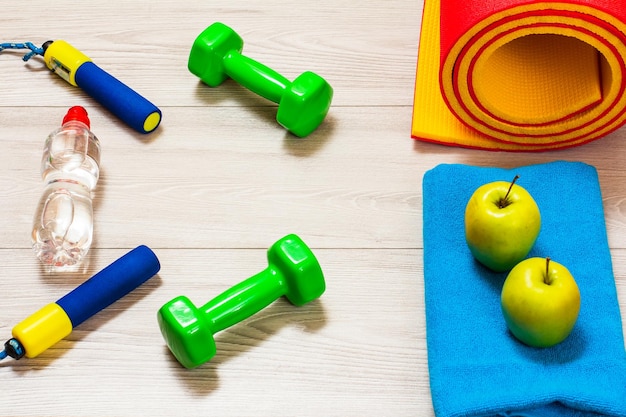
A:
<point x="302" y="104"/>
<point x="293" y="271"/>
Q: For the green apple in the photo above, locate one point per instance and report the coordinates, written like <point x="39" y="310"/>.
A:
<point x="502" y="222"/>
<point x="540" y="302"/>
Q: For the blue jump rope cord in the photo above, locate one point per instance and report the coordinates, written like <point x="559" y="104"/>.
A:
<point x="34" y="50"/>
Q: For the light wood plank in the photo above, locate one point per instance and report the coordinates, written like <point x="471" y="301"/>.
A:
<point x="359" y="349"/>
<point x="367" y="59"/>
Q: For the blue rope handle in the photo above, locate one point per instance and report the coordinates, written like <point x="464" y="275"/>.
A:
<point x="34" y="50"/>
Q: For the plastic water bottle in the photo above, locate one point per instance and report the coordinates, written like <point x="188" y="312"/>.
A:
<point x="70" y="166"/>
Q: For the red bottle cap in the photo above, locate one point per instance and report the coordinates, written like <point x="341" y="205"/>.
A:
<point x="77" y="113"/>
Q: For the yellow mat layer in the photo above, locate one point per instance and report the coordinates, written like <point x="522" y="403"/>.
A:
<point x="519" y="76"/>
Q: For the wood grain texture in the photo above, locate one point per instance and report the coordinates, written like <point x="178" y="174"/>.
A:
<point x="215" y="186"/>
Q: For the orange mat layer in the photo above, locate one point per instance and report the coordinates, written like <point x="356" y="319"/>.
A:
<point x="519" y="75"/>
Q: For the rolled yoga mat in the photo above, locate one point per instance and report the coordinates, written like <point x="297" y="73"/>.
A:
<point x="520" y="75"/>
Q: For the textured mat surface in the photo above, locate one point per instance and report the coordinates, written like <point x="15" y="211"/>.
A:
<point x="520" y="75"/>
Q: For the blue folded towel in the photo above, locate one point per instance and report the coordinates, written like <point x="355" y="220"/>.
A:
<point x="477" y="368"/>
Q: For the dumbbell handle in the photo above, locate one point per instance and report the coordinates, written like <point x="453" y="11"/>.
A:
<point x="255" y="76"/>
<point x="244" y="299"/>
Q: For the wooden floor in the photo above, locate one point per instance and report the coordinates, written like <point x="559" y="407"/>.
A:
<point x="215" y="186"/>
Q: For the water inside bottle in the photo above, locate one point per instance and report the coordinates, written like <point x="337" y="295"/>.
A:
<point x="64" y="231"/>
<point x="63" y="223"/>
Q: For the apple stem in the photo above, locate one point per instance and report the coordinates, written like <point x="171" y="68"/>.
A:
<point x="547" y="279"/>
<point x="505" y="201"/>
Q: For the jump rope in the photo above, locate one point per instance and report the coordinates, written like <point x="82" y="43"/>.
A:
<point x="78" y="70"/>
<point x="56" y="320"/>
